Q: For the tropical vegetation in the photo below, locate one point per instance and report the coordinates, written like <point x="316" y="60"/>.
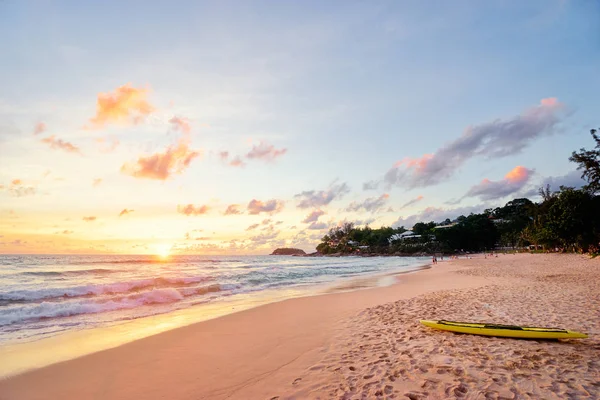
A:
<point x="567" y="219"/>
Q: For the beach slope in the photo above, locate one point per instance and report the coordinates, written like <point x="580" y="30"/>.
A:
<point x="364" y="344"/>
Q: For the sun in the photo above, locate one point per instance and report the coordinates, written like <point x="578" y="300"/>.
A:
<point x="163" y="250"/>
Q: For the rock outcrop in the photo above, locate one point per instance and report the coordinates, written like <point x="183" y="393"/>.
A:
<point x="286" y="251"/>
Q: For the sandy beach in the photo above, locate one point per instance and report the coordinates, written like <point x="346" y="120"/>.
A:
<point x="365" y="344"/>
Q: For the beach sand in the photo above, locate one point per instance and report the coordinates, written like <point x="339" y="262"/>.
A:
<point x="365" y="344"/>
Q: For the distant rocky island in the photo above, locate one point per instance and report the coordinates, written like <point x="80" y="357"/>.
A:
<point x="287" y="251"/>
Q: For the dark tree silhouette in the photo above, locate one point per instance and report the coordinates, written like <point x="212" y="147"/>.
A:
<point x="589" y="162"/>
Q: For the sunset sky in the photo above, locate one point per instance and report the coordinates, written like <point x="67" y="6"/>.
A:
<point x="143" y="127"/>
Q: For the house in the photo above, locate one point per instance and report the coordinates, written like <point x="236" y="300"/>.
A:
<point x="402" y="236"/>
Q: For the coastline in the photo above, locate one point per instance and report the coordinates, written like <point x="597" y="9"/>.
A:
<point x="332" y="344"/>
<point x="21" y="357"/>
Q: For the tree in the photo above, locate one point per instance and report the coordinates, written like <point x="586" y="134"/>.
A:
<point x="589" y="162"/>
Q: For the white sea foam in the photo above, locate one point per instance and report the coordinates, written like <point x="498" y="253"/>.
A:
<point x="100" y="289"/>
<point x="48" y="309"/>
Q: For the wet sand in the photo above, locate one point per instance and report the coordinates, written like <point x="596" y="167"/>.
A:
<point x="365" y="344"/>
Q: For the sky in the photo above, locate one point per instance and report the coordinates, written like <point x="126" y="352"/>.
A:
<point x="193" y="127"/>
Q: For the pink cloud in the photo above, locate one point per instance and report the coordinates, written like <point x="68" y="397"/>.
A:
<point x="372" y="204"/>
<point x="252" y="227"/>
<point x="495" y="139"/>
<point x="162" y="166"/>
<point x="127" y="105"/>
<point x="190" y="209"/>
<point x="550" y="102"/>
<point x="412" y="202"/>
<point x="271" y="206"/>
<point x="125" y="212"/>
<point x="518" y="174"/>
<point x="317" y="226"/>
<point x="96" y="182"/>
<point x="513" y="181"/>
<point x="236" y="162"/>
<point x="181" y="124"/>
<point x="55" y="143"/>
<point x="89" y="219"/>
<point x="313" y="216"/>
<point x="265" y="151"/>
<point x="232" y="209"/>
<point x="17" y="189"/>
<point x="39" y="128"/>
<point x="108" y="144"/>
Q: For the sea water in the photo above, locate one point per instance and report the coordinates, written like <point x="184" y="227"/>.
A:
<point x="46" y="295"/>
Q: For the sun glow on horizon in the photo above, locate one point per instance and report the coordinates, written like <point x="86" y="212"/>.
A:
<point x="163" y="250"/>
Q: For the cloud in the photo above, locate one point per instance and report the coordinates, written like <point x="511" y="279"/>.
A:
<point x="89" y="219"/>
<point x="252" y="227"/>
<point x="315" y="199"/>
<point x="371" y="185"/>
<point x="498" y="138"/>
<point x="232" y="209"/>
<point x="513" y="181"/>
<point x="313" y="216"/>
<point x="372" y="204"/>
<point x="188" y="235"/>
<point x="18" y="189"/>
<point x="364" y="222"/>
<point x="96" y="182"/>
<point x="162" y="166"/>
<point x="55" y="143"/>
<point x="190" y="209"/>
<point x="108" y="144"/>
<point x="235" y="162"/>
<point x="264" y="238"/>
<point x="65" y="232"/>
<point x="571" y="179"/>
<point x="265" y="151"/>
<point x="412" y="202"/>
<point x="437" y="215"/>
<point x="40" y="127"/>
<point x="271" y="206"/>
<point x="181" y="124"/>
<point x="125" y="212"/>
<point x="16" y="242"/>
<point x="317" y="226"/>
<point x="22" y="191"/>
<point x="127" y="105"/>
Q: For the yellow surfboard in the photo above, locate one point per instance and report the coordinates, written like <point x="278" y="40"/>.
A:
<point x="512" y="331"/>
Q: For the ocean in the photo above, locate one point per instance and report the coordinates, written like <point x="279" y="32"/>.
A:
<point x="47" y="295"/>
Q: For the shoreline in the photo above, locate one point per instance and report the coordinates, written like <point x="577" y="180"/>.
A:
<point x="359" y="343"/>
<point x="22" y="357"/>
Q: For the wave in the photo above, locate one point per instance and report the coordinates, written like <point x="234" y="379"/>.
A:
<point x="155" y="260"/>
<point x="94" y="271"/>
<point x="46" y="310"/>
<point x="149" y="260"/>
<point x="99" y="290"/>
<point x="52" y="309"/>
